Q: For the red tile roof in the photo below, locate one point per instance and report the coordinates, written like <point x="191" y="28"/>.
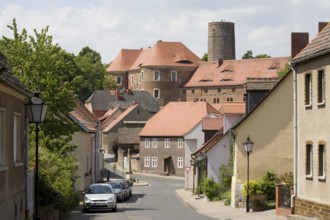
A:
<point x="177" y="118"/>
<point x="233" y="108"/>
<point x="110" y="116"/>
<point x="235" y="72"/>
<point x="212" y="124"/>
<point x="162" y="54"/>
<point x="210" y="143"/>
<point x="83" y="117"/>
<point x="319" y="45"/>
<point x="119" y="118"/>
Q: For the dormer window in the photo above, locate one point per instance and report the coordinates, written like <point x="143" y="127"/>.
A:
<point x="205" y="80"/>
<point x="226" y="80"/>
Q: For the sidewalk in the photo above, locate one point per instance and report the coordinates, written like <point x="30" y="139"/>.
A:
<point x="218" y="210"/>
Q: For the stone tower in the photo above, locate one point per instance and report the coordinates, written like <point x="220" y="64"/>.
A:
<point x="221" y="41"/>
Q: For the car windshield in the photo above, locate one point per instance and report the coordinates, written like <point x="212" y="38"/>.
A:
<point x="116" y="185"/>
<point x="99" y="189"/>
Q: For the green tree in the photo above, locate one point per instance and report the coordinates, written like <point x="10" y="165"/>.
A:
<point x="249" y="55"/>
<point x="45" y="67"/>
<point x="205" y="57"/>
<point x="285" y="70"/>
<point x="92" y="73"/>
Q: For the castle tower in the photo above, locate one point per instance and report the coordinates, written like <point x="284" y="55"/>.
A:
<point x="221" y="41"/>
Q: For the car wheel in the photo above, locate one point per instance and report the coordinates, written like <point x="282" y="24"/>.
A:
<point x="130" y="194"/>
<point x="85" y="210"/>
<point x="114" y="209"/>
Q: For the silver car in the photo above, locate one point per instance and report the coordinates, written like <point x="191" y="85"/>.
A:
<point x="119" y="191"/>
<point x="99" y="196"/>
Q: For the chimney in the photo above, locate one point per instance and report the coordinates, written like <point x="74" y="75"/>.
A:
<point x="220" y="62"/>
<point x="322" y="25"/>
<point x="298" y="42"/>
<point x="117" y="94"/>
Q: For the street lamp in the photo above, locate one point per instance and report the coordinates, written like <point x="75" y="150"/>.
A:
<point x="248" y="145"/>
<point x="36" y="109"/>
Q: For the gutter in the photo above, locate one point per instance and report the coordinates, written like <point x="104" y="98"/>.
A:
<point x="295" y="136"/>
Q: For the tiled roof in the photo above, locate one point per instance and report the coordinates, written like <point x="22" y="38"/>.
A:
<point x="210" y="143"/>
<point x="8" y="78"/>
<point x="110" y="116"/>
<point x="119" y="118"/>
<point x="129" y="135"/>
<point x="85" y="119"/>
<point x="162" y="54"/>
<point x="212" y="124"/>
<point x="235" y="72"/>
<point x="233" y="108"/>
<point x="105" y="100"/>
<point x="254" y="84"/>
<point x="177" y="118"/>
<point x="318" y="46"/>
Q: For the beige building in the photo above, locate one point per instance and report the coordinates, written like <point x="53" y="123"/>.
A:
<point x="270" y="127"/>
<point x="12" y="141"/>
<point x="312" y="66"/>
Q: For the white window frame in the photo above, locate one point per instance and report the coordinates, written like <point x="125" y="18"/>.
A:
<point x="147" y="143"/>
<point x="17" y="141"/>
<point x="147" y="161"/>
<point x="180" y="162"/>
<point x="167" y="143"/>
<point x="309" y="160"/>
<point x="156" y="75"/>
<point x="120" y="79"/>
<point x="153" y="93"/>
<point x="132" y="79"/>
<point x="154" y="162"/>
<point x="174" y="75"/>
<point x="154" y="143"/>
<point x="321" y="87"/>
<point x="180" y="143"/>
<point x="321" y="156"/>
<point x="308" y="86"/>
<point x="3" y="131"/>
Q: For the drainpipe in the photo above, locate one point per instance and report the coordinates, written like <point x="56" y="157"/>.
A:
<point x="295" y="136"/>
<point x="27" y="184"/>
<point x="92" y="140"/>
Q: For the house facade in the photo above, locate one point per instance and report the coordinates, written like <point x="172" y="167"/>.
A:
<point x="161" y="70"/>
<point x="170" y="136"/>
<point x="312" y="66"/>
<point x="270" y="126"/>
<point x="13" y="95"/>
<point x="88" y="141"/>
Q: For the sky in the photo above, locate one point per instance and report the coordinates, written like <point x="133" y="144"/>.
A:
<point x="107" y="26"/>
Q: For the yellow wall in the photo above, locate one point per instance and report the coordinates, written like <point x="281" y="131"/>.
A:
<point x="270" y="127"/>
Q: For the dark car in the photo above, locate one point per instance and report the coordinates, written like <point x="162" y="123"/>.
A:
<point x="128" y="186"/>
<point x="99" y="196"/>
<point x="119" y="191"/>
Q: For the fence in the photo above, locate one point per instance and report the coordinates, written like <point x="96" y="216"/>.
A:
<point x="283" y="200"/>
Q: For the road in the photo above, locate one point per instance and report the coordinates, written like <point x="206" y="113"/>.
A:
<point x="158" y="201"/>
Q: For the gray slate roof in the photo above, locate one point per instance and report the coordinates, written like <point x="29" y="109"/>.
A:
<point x="318" y="46"/>
<point x="104" y="100"/>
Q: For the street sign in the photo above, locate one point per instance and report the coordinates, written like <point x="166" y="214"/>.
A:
<point x="187" y="169"/>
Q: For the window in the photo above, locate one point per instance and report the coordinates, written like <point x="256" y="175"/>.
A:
<point x="320" y="87"/>
<point x="156" y="75"/>
<point x="17" y="135"/>
<point x="154" y="143"/>
<point x="206" y="90"/>
<point x="193" y="91"/>
<point x="146" y="161"/>
<point x="174" y="75"/>
<point x="154" y="161"/>
<point x="132" y="80"/>
<point x="141" y="76"/>
<point x="180" y="162"/>
<point x="156" y="93"/>
<point x="219" y="90"/>
<point x="147" y="143"/>
<point x="309" y="160"/>
<point x="180" y="143"/>
<point x="321" y="161"/>
<point x="167" y="143"/>
<point x="2" y="137"/>
<point x="308" y="89"/>
<point x="118" y="80"/>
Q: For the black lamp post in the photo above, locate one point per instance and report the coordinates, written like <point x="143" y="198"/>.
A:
<point x="248" y="145"/>
<point x="36" y="109"/>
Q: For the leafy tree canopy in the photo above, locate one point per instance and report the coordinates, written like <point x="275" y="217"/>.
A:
<point x="249" y="55"/>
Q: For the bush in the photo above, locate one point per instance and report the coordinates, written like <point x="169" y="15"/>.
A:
<point x="268" y="185"/>
<point x="226" y="197"/>
<point x="208" y="187"/>
<point x="254" y="188"/>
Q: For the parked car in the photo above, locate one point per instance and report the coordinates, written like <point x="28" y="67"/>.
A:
<point x="99" y="196"/>
<point x="128" y="186"/>
<point x="119" y="191"/>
